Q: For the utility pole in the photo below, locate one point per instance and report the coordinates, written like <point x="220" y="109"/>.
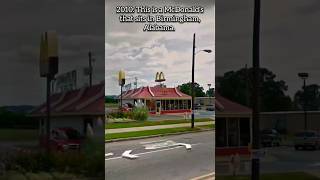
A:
<point x="255" y="166"/>
<point x="247" y="85"/>
<point x="304" y="76"/>
<point x="90" y="69"/>
<point x="192" y="85"/>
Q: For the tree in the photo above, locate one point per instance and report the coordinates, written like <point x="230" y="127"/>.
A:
<point x="210" y="92"/>
<point x="186" y="88"/>
<point x="312" y="98"/>
<point x="237" y="86"/>
<point x="110" y="99"/>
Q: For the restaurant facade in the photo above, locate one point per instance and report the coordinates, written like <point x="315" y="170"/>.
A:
<point x="158" y="99"/>
<point x="233" y="128"/>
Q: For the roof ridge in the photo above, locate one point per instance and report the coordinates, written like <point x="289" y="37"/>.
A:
<point x="176" y="90"/>
<point x="71" y="101"/>
<point x="91" y="99"/>
<point x="149" y="89"/>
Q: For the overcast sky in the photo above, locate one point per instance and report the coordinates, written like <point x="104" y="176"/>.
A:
<point x="142" y="54"/>
<point x="289" y="38"/>
<point x="80" y="27"/>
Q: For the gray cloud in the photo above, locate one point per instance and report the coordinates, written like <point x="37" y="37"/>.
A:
<point x="80" y="27"/>
<point x="129" y="48"/>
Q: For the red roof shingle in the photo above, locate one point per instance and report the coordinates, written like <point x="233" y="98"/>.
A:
<point x="85" y="101"/>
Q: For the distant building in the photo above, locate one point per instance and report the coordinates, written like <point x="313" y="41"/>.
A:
<point x="289" y="121"/>
<point x="158" y="99"/>
<point x="76" y="109"/>
<point x="204" y="102"/>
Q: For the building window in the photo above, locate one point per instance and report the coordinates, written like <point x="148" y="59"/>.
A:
<point x="180" y="104"/>
<point x="233" y="132"/>
<point x="244" y="131"/>
<point x="221" y="132"/>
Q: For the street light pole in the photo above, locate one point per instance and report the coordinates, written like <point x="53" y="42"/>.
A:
<point x="192" y="85"/>
<point x="304" y="104"/>
<point x="255" y="166"/>
<point x="209" y="85"/>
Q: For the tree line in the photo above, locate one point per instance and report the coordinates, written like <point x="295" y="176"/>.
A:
<point x="237" y="86"/>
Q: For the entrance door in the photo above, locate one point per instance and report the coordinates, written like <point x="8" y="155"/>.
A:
<point x="158" y="107"/>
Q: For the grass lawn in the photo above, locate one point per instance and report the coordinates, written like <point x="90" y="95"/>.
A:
<point x="150" y="123"/>
<point x="278" y="176"/>
<point x="155" y="132"/>
<point x="18" y="134"/>
<point x="111" y="105"/>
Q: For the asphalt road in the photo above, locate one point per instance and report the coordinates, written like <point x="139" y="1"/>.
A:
<point x="174" y="163"/>
<point x="281" y="160"/>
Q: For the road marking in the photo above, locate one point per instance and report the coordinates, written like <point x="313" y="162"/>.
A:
<point x="188" y="146"/>
<point x="203" y="177"/>
<point x="149" y="142"/>
<point x="127" y="154"/>
<point x="109" y="154"/>
<point x="119" y="157"/>
<point x="150" y="152"/>
<point x="160" y="145"/>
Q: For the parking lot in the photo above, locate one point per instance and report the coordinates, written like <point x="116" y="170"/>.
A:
<point x="199" y="114"/>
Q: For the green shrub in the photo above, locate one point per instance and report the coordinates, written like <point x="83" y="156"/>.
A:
<point x="140" y="113"/>
<point x="118" y="114"/>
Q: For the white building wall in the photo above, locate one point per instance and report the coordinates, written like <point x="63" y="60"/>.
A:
<point x="76" y="122"/>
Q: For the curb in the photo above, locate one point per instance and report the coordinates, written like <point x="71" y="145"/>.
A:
<point x="205" y="177"/>
<point x="158" y="135"/>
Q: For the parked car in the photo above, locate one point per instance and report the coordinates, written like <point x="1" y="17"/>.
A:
<point x="65" y="139"/>
<point x="197" y="106"/>
<point x="270" y="138"/>
<point x="307" y="139"/>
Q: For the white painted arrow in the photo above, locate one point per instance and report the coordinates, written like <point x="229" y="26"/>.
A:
<point x="108" y="154"/>
<point x="127" y="155"/>
<point x="188" y="146"/>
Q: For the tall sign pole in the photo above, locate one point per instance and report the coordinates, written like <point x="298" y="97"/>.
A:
<point x="192" y="85"/>
<point x="255" y="169"/>
<point x="48" y="69"/>
<point x="122" y="82"/>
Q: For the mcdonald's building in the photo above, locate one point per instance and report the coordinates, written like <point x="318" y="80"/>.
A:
<point x="158" y="99"/>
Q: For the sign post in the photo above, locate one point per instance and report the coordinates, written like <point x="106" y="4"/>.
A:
<point x="122" y="82"/>
<point x="48" y="69"/>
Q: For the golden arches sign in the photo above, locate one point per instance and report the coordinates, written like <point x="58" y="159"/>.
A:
<point x="48" y="54"/>
<point x="160" y="77"/>
<point x="121" y="78"/>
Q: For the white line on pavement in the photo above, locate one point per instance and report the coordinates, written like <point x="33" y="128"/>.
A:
<point x="149" y="152"/>
<point x="148" y="142"/>
<point x="108" y="154"/>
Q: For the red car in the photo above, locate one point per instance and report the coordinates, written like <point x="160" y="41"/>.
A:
<point x="65" y="139"/>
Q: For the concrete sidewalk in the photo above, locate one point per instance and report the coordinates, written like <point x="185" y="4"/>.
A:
<point x="144" y="128"/>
